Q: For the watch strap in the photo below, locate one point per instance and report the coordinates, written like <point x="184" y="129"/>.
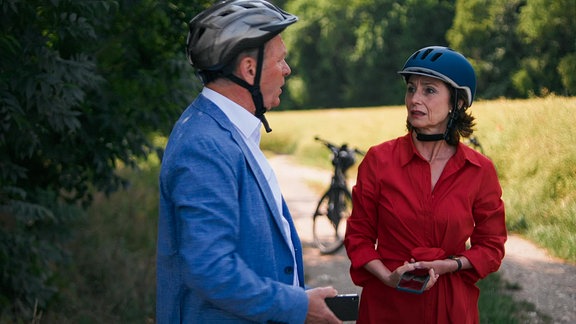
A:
<point x="458" y="261"/>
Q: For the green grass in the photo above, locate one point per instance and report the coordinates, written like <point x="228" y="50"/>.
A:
<point x="497" y="306"/>
<point x="110" y="278"/>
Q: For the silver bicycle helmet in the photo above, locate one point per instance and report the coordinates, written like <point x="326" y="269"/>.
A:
<point x="220" y="33"/>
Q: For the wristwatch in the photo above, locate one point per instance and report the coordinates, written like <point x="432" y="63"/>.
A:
<point x="457" y="259"/>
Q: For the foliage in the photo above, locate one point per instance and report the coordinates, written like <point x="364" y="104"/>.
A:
<point x="45" y="81"/>
<point x="116" y="284"/>
<point x="346" y="53"/>
<point x="82" y="84"/>
<point x="519" y="48"/>
<point x="547" y="29"/>
<point x="485" y="31"/>
<point x="567" y="71"/>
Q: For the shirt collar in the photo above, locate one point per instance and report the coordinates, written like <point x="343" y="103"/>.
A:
<point x="243" y="120"/>
<point x="409" y="152"/>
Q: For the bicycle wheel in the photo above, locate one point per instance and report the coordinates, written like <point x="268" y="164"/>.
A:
<point x="329" y="223"/>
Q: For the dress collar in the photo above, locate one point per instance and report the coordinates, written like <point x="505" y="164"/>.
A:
<point x="408" y="152"/>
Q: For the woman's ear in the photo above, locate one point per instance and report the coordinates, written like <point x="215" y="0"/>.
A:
<point x="461" y="104"/>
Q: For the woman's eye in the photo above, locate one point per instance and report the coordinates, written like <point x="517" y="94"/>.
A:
<point x="430" y="90"/>
<point x="410" y="89"/>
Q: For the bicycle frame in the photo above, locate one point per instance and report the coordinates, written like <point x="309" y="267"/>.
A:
<point x="338" y="184"/>
<point x="335" y="205"/>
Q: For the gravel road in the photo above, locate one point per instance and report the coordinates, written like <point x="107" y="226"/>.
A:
<point x="546" y="282"/>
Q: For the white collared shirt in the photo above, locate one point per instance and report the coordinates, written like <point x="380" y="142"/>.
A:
<point x="249" y="126"/>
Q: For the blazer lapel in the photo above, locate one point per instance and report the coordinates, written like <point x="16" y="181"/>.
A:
<point x="210" y="108"/>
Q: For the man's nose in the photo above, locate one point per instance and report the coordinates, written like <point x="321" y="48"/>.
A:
<point x="286" y="69"/>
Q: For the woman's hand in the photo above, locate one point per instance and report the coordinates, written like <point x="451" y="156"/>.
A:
<point x="433" y="278"/>
<point x="390" y="279"/>
<point x="431" y="271"/>
<point x="396" y="274"/>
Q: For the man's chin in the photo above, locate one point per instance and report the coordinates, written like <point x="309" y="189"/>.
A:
<point x="273" y="105"/>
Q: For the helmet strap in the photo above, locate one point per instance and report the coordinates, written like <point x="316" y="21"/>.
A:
<point x="254" y="89"/>
<point x="429" y="137"/>
<point x="453" y="117"/>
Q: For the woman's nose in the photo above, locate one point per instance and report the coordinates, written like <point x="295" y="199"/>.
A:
<point x="415" y="96"/>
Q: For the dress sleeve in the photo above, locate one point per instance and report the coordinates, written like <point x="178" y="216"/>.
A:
<point x="487" y="240"/>
<point x="361" y="231"/>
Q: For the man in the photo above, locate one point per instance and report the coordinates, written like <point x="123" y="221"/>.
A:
<point x="227" y="246"/>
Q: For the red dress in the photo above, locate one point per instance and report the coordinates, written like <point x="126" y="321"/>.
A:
<point x="396" y="210"/>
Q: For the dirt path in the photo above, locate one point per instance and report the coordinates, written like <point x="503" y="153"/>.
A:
<point x="546" y="282"/>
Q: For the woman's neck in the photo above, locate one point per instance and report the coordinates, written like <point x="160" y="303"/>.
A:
<point x="433" y="150"/>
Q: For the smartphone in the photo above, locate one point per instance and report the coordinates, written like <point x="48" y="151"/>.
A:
<point x="413" y="283"/>
<point x="345" y="306"/>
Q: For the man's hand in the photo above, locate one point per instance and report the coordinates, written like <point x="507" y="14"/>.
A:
<point x="318" y="311"/>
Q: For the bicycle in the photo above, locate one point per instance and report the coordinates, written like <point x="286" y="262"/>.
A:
<point x="335" y="206"/>
<point x="473" y="142"/>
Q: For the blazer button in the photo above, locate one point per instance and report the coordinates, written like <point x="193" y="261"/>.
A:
<point x="289" y="270"/>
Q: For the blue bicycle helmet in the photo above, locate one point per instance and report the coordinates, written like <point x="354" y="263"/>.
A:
<point x="445" y="64"/>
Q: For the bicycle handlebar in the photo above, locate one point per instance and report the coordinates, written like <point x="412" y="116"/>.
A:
<point x="326" y="143"/>
<point x="335" y="148"/>
<point x="359" y="151"/>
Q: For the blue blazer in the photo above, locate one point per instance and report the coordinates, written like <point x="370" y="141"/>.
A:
<point x="222" y="256"/>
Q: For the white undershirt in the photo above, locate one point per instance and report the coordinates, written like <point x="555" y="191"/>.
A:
<point x="249" y="126"/>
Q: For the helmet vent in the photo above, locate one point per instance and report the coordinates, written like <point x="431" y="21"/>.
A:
<point x="201" y="32"/>
<point x="435" y="57"/>
<point x="426" y="52"/>
<point x="226" y="13"/>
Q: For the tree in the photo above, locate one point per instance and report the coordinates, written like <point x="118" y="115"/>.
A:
<point x="347" y="53"/>
<point x="317" y="44"/>
<point x="519" y="48"/>
<point x="384" y="40"/>
<point x="547" y="29"/>
<point x="82" y="86"/>
<point x="485" y="32"/>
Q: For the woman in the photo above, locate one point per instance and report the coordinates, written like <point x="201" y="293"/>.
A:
<point x="426" y="202"/>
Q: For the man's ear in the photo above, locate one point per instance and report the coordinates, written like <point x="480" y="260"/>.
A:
<point x="247" y="69"/>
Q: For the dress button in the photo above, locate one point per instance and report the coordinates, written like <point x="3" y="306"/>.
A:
<point x="289" y="270"/>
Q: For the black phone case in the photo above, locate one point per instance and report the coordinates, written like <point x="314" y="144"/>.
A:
<point x="412" y="283"/>
<point x="345" y="307"/>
